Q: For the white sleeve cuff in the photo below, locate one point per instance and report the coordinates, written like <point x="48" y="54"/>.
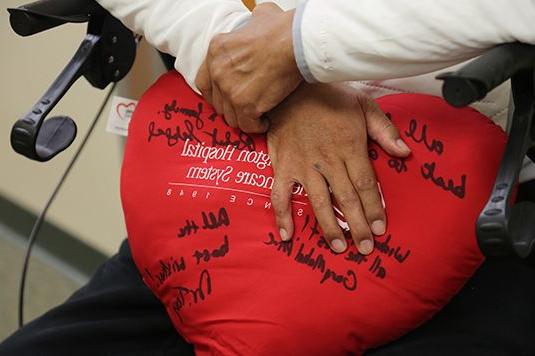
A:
<point x="311" y="45"/>
<point x="299" y="53"/>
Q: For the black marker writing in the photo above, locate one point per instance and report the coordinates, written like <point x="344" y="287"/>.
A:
<point x="435" y="145"/>
<point x="243" y="142"/>
<point x="349" y="281"/>
<point x="190" y="228"/>
<point x="314" y="229"/>
<point x="210" y="221"/>
<point x="385" y="248"/>
<point x="428" y="172"/>
<point x="317" y="262"/>
<point x="206" y="255"/>
<point x="285" y="247"/>
<point x="323" y="244"/>
<point x="377" y="269"/>
<point x="356" y="257"/>
<point x="192" y="295"/>
<point x="173" y="108"/>
<point x="168" y="267"/>
<point x="398" y="165"/>
<point x="173" y="135"/>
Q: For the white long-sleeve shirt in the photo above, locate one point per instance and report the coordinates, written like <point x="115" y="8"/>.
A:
<point x="342" y="40"/>
<point x="366" y="41"/>
<point x="381" y="39"/>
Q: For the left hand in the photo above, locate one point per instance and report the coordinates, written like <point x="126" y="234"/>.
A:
<point x="249" y="71"/>
<point x="319" y="138"/>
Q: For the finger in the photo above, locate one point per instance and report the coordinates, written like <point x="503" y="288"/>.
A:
<point x="383" y="131"/>
<point x="351" y="206"/>
<point x="251" y="124"/>
<point x="363" y="180"/>
<point x="204" y="83"/>
<point x="217" y="100"/>
<point x="320" y="199"/>
<point x="281" y="195"/>
<point x="265" y="121"/>
<point x="230" y="115"/>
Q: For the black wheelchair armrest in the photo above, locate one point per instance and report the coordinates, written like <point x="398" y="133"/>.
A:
<point x="42" y="15"/>
<point x="503" y="227"/>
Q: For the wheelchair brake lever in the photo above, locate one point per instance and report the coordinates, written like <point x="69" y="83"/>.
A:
<point x="41" y="140"/>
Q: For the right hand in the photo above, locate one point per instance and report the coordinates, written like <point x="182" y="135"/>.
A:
<point x="250" y="70"/>
<point x="318" y="138"/>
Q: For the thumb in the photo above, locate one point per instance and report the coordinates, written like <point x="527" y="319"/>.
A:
<point x="203" y="82"/>
<point x="383" y="131"/>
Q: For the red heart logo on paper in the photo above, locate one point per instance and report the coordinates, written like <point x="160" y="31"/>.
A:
<point x="124" y="111"/>
<point x="196" y="200"/>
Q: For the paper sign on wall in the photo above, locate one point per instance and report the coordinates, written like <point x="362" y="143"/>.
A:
<point x="120" y="113"/>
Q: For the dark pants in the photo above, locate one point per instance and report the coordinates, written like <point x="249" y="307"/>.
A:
<point x="115" y="314"/>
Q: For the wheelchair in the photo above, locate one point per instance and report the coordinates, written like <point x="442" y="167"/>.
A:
<point x="505" y="228"/>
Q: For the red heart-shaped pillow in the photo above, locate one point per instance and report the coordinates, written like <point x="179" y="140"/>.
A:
<point x="197" y="206"/>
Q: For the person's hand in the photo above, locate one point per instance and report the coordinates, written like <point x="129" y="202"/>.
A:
<point x="318" y="138"/>
<point x="249" y="71"/>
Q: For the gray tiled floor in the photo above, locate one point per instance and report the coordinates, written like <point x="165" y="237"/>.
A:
<point x="49" y="281"/>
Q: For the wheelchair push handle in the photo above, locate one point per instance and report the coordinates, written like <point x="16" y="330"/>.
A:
<point x="43" y="15"/>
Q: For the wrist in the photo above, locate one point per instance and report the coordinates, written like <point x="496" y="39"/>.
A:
<point x="288" y="40"/>
<point x="282" y="46"/>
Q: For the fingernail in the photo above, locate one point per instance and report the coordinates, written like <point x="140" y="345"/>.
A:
<point x="366" y="247"/>
<point x="402" y="145"/>
<point x="378" y="227"/>
<point x="284" y="235"/>
<point x="338" y="245"/>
